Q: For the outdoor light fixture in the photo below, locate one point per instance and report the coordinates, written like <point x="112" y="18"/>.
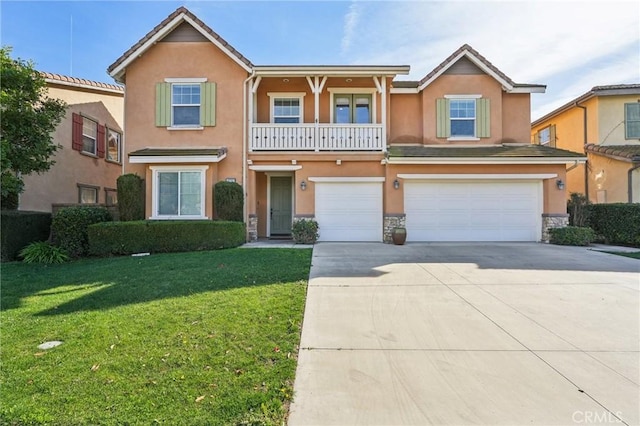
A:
<point x="396" y="184"/>
<point x="285" y="80"/>
<point x="303" y="185"/>
<point x="560" y="184"/>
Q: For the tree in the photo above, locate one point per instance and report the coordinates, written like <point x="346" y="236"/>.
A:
<point x="29" y="117"/>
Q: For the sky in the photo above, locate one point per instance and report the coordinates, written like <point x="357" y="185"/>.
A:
<point x="570" y="46"/>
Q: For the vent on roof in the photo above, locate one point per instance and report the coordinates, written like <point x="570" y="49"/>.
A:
<point x="464" y="66"/>
<point x="184" y="33"/>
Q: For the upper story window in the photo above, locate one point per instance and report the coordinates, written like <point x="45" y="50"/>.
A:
<point x="632" y="120"/>
<point x="185" y="103"/>
<point x="352" y="108"/>
<point x="89" y="136"/>
<point x="287" y="108"/>
<point x="114" y="140"/>
<point x="463" y="117"/>
<point x="544" y="136"/>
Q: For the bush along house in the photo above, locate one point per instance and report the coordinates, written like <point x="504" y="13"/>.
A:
<point x="446" y="157"/>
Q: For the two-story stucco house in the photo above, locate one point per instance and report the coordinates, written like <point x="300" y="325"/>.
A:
<point x="604" y="123"/>
<point x="350" y="146"/>
<point x="90" y="135"/>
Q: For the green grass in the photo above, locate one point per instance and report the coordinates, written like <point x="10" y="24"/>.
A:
<point x="634" y="255"/>
<point x="189" y="338"/>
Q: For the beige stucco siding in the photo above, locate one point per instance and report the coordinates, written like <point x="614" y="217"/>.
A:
<point x="406" y="113"/>
<point x="609" y="179"/>
<point x="71" y="168"/>
<point x="516" y="117"/>
<point x="611" y="120"/>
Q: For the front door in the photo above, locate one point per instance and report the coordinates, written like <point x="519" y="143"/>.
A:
<point x="280" y="206"/>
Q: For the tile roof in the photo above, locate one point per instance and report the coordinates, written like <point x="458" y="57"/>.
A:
<point x="630" y="152"/>
<point x="63" y="79"/>
<point x="168" y="152"/>
<point x="513" y="151"/>
<point x="166" y="21"/>
<point x="466" y="48"/>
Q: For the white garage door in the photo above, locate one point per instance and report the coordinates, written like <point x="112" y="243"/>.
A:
<point x="473" y="210"/>
<point x="349" y="211"/>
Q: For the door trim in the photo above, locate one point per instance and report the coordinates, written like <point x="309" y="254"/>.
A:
<point x="269" y="176"/>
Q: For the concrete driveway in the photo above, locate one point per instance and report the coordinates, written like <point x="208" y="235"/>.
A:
<point x="481" y="333"/>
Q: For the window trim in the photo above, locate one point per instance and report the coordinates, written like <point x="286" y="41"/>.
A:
<point x="155" y="170"/>
<point x="95" y="139"/>
<point x="372" y="91"/>
<point x="106" y="198"/>
<point x="184" y="82"/>
<point x="106" y="155"/>
<point x="82" y="186"/>
<point x="454" y="98"/>
<point x="626" y="120"/>
<point x="285" y="95"/>
<point x="548" y="133"/>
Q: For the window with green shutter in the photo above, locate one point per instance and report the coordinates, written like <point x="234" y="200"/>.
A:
<point x="632" y="120"/>
<point x="185" y="104"/>
<point x="459" y="117"/>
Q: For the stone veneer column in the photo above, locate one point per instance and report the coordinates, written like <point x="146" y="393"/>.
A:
<point x="392" y="221"/>
<point x="552" y="220"/>
<point x="252" y="227"/>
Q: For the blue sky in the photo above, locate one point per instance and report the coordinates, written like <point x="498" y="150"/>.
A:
<point x="570" y="46"/>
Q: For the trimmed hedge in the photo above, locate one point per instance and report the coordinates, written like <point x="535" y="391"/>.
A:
<point x="163" y="236"/>
<point x="228" y="201"/>
<point x="571" y="236"/>
<point x="21" y="228"/>
<point x="69" y="227"/>
<point x="130" y="197"/>
<point x="617" y="223"/>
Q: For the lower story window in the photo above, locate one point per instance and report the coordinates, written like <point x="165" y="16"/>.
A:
<point x="179" y="193"/>
<point x="87" y="194"/>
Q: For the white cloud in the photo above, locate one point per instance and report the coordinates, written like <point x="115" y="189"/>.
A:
<point x="350" y="23"/>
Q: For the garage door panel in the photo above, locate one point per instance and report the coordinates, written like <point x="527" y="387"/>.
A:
<point x="472" y="211"/>
<point x="349" y="211"/>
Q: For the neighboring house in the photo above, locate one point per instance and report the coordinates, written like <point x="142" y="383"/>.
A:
<point x="448" y="156"/>
<point x="604" y="123"/>
<point x="90" y="158"/>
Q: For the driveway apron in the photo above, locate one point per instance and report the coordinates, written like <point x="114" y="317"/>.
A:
<point x="480" y="333"/>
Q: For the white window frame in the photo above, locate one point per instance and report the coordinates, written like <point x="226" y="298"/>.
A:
<point x="354" y="91"/>
<point x="473" y="98"/>
<point x="285" y="95"/>
<point x="156" y="170"/>
<point x="185" y="81"/>
<point x="118" y="159"/>
<point x="85" y="119"/>
<point x="546" y="132"/>
<point x="626" y="120"/>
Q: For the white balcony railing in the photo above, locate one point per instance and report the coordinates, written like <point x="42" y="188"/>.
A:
<point x="323" y="137"/>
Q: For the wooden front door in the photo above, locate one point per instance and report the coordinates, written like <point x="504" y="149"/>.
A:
<point x="280" y="215"/>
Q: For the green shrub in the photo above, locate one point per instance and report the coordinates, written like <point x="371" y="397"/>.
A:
<point x="69" y="227"/>
<point x="43" y="252"/>
<point x="617" y="223"/>
<point x="229" y="201"/>
<point x="20" y="228"/>
<point x="578" y="209"/>
<point x="10" y="201"/>
<point x="164" y="236"/>
<point x="572" y="236"/>
<point x="305" y="231"/>
<point x="130" y="197"/>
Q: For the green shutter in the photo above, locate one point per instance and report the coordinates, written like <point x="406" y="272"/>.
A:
<point x="536" y="138"/>
<point x="163" y="104"/>
<point x="443" y="123"/>
<point x="208" y="107"/>
<point x="552" y="135"/>
<point x="483" y="118"/>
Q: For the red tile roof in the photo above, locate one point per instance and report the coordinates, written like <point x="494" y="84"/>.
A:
<point x="629" y="152"/>
<point x="64" y="79"/>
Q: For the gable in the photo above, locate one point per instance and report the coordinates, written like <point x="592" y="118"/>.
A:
<point x="184" y="33"/>
<point x="464" y="67"/>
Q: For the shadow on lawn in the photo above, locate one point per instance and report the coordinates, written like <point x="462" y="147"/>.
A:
<point x="129" y="280"/>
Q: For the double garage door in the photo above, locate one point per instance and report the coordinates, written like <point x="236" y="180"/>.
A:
<point x="437" y="210"/>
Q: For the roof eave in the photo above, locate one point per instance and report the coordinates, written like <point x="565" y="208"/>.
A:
<point x="486" y="160"/>
<point x="329" y="70"/>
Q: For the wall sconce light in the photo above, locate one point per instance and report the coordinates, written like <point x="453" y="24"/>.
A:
<point x="560" y="184"/>
<point x="285" y="80"/>
<point x="349" y="80"/>
<point x="396" y="184"/>
<point x="303" y="185"/>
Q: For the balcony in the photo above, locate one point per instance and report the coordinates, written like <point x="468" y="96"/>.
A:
<point x="321" y="137"/>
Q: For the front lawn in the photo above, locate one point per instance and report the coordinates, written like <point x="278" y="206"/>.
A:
<point x="633" y="254"/>
<point x="187" y="338"/>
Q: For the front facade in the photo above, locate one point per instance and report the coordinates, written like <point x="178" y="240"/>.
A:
<point x="604" y="123"/>
<point x="360" y="152"/>
<point x="90" y="134"/>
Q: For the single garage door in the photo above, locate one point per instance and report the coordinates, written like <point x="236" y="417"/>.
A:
<point x="349" y="211"/>
<point x="473" y="210"/>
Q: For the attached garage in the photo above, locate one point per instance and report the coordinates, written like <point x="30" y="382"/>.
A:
<point x="473" y="209"/>
<point x="349" y="209"/>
